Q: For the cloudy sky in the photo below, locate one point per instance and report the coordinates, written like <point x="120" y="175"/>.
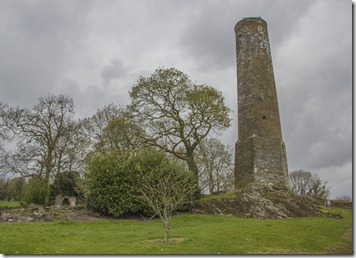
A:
<point x="95" y="50"/>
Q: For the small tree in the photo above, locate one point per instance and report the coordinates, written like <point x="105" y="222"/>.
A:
<point x="165" y="189"/>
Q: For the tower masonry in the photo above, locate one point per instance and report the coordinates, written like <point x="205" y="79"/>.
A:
<point x="260" y="154"/>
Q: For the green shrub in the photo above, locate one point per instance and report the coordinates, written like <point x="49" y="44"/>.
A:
<point x="35" y="191"/>
<point x="113" y="180"/>
<point x="67" y="183"/>
<point x="111" y="185"/>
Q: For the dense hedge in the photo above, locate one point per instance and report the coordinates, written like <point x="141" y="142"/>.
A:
<point x="113" y="180"/>
<point x="110" y="185"/>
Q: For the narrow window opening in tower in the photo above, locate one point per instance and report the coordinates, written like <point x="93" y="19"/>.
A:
<point x="264" y="117"/>
<point x="240" y="35"/>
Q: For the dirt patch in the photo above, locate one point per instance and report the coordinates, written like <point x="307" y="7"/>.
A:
<point x="348" y="249"/>
<point x="161" y="240"/>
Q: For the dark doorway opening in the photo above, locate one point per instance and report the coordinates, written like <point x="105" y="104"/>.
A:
<point x="66" y="202"/>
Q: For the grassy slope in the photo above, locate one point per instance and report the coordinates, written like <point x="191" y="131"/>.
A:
<point x="204" y="234"/>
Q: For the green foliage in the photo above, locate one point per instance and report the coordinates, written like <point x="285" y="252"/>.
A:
<point x="3" y="186"/>
<point x="67" y="183"/>
<point x="13" y="204"/>
<point x="165" y="188"/>
<point x="167" y="183"/>
<point x="199" y="234"/>
<point x="15" y="188"/>
<point x="12" y="189"/>
<point x="177" y="114"/>
<point x="114" y="179"/>
<point x="111" y="185"/>
<point x="36" y="191"/>
<point x="222" y="195"/>
<point x="120" y="135"/>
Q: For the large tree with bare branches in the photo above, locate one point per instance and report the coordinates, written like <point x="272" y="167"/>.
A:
<point x="44" y="136"/>
<point x="306" y="183"/>
<point x="176" y="113"/>
<point x="215" y="165"/>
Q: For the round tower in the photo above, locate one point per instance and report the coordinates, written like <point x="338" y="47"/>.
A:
<point x="260" y="154"/>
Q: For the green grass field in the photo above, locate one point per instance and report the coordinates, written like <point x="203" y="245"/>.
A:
<point x="197" y="234"/>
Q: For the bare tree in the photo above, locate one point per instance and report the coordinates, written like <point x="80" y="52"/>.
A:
<point x="299" y="181"/>
<point x="318" y="188"/>
<point x="4" y="137"/>
<point x="344" y="198"/>
<point x="305" y="183"/>
<point x="94" y="126"/>
<point x="43" y="133"/>
<point x="177" y="114"/>
<point x="165" y="189"/>
<point x="4" y="131"/>
<point x="214" y="161"/>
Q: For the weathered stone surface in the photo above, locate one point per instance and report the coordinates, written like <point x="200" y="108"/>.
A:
<point x="260" y="200"/>
<point x="5" y="216"/>
<point x="34" y="213"/>
<point x="260" y="154"/>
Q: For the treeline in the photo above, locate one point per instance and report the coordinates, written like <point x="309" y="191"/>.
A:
<point x="107" y="160"/>
<point x="57" y="154"/>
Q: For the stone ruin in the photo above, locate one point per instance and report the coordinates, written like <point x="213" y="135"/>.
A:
<point x="260" y="154"/>
<point x="65" y="201"/>
<point x="261" y="170"/>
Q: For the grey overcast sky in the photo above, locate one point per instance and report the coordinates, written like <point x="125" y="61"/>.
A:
<point x="95" y="50"/>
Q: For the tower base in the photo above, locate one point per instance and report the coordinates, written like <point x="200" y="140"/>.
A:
<point x="261" y="160"/>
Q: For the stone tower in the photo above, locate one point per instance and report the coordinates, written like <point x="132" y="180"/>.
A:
<point x="260" y="154"/>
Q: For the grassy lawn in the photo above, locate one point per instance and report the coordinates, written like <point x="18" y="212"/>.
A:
<point x="4" y="204"/>
<point x="198" y="234"/>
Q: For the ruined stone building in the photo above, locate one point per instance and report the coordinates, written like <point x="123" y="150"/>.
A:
<point x="260" y="154"/>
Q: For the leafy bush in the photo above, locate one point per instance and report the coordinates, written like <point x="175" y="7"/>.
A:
<point x="67" y="183"/>
<point x="35" y="191"/>
<point x="111" y="185"/>
<point x="114" y="180"/>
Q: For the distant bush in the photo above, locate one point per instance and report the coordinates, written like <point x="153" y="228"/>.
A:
<point x="35" y="191"/>
<point x="67" y="183"/>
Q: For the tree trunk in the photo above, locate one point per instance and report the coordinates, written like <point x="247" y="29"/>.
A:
<point x="47" y="175"/>
<point x="192" y="166"/>
<point x="166" y="231"/>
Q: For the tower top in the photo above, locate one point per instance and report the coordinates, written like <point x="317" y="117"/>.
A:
<point x="250" y="20"/>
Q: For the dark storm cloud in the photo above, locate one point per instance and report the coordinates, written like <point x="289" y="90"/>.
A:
<point x="315" y="87"/>
<point x="209" y="36"/>
<point x="115" y="70"/>
<point x="95" y="51"/>
<point x="37" y="38"/>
